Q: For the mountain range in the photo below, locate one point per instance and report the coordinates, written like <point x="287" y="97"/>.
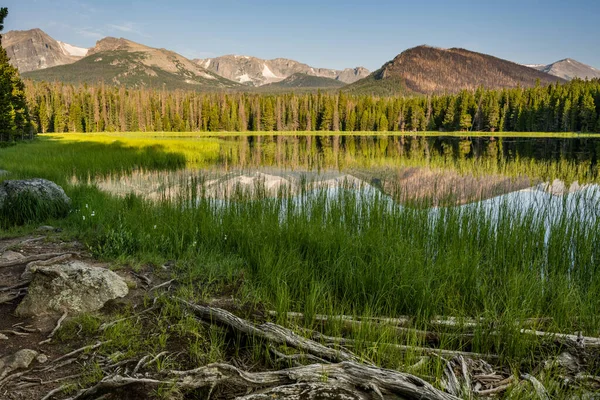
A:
<point x="123" y="62"/>
<point x="420" y="70"/>
<point x="257" y="72"/>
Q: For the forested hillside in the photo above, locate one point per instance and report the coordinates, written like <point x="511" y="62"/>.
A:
<point x="62" y="108"/>
<point x="428" y="70"/>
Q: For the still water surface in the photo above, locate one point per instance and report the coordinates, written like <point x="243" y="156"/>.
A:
<point x="545" y="176"/>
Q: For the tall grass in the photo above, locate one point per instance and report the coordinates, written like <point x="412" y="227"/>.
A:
<point x="347" y="251"/>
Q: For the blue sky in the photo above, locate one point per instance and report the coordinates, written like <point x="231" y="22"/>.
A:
<point x="326" y="33"/>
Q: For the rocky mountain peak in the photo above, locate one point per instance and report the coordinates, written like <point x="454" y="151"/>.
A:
<point x="34" y="49"/>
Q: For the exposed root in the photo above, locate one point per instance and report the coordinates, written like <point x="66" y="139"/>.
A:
<point x="348" y="375"/>
<point x="36" y="257"/>
<point x="80" y="350"/>
<point x="270" y="332"/>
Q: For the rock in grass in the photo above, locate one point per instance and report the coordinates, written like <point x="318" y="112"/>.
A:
<point x="71" y="286"/>
<point x="3" y="172"/>
<point x="23" y="201"/>
<point x="20" y="360"/>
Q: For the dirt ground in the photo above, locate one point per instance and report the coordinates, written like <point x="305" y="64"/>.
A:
<point x="17" y="333"/>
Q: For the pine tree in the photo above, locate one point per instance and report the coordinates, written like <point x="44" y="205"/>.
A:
<point x="382" y="126"/>
<point x="566" y="116"/>
<point x="449" y="117"/>
<point x="493" y="114"/>
<point x="15" y="122"/>
<point x="587" y="113"/>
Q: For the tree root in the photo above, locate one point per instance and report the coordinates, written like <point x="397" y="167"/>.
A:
<point x="37" y="257"/>
<point x="345" y="376"/>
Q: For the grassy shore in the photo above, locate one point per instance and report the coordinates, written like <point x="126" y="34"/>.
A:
<point x="343" y="253"/>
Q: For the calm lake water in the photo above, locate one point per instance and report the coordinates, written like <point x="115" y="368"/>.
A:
<point x="525" y="173"/>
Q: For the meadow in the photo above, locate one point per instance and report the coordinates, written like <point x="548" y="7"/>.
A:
<point x="348" y="252"/>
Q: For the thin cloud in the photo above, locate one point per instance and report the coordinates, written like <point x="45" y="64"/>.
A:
<point x="85" y="6"/>
<point x="127" y="27"/>
<point x="90" y="33"/>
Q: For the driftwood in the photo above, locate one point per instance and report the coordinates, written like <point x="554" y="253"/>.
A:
<point x="107" y="325"/>
<point x="334" y="372"/>
<point x="406" y="321"/>
<point x="406" y="348"/>
<point x="162" y="285"/>
<point x="80" y="350"/>
<point x="400" y="324"/>
<point x="366" y="382"/>
<point x="58" y="324"/>
<point x="540" y="390"/>
<point x="21" y="243"/>
<point x="27" y="260"/>
<point x="574" y="340"/>
<point x="352" y="323"/>
<point x="270" y="332"/>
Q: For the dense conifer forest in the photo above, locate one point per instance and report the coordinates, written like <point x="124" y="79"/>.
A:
<point x="57" y="107"/>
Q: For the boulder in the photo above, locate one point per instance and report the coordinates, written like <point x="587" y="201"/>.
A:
<point x="23" y="201"/>
<point x="20" y="360"/>
<point x="71" y="286"/>
<point x="3" y="172"/>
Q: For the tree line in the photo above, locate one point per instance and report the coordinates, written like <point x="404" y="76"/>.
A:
<point x="57" y="107"/>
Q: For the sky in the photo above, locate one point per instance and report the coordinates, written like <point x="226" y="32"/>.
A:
<point x="326" y="33"/>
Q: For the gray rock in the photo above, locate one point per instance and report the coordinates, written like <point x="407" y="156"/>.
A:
<point x="42" y="359"/>
<point x="40" y="188"/>
<point x="23" y="201"/>
<point x="71" y="286"/>
<point x="20" y="360"/>
<point x="3" y="172"/>
<point x="10" y="255"/>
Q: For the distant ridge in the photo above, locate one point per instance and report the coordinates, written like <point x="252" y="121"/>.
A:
<point x="427" y="69"/>
<point x="304" y="81"/>
<point x="255" y="71"/>
<point x="568" y="69"/>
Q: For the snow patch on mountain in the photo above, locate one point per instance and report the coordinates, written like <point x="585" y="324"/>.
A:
<point x="267" y="73"/>
<point x="71" y="50"/>
<point x="244" y="78"/>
